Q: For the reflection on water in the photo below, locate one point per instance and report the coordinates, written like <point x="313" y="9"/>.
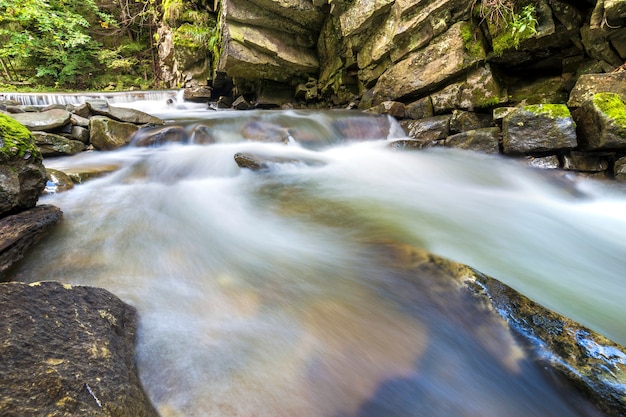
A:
<point x="277" y="293"/>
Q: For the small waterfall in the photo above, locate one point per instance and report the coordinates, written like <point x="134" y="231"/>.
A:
<point x="46" y="99"/>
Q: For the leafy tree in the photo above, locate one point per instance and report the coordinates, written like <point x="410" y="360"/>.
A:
<point x="50" y="39"/>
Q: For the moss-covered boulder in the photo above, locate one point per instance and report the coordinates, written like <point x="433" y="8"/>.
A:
<point x="538" y="128"/>
<point x="22" y="175"/>
<point x="601" y="122"/>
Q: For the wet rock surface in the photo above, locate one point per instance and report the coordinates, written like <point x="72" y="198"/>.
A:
<point x="18" y="232"/>
<point x="68" y="351"/>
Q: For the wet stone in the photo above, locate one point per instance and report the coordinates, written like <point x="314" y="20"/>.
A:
<point x="68" y="351"/>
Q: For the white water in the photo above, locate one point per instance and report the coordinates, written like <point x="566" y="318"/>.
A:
<point x="259" y="293"/>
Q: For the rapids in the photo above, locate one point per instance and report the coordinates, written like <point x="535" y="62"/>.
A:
<point x="259" y="293"/>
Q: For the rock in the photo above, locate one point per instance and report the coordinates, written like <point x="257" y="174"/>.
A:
<point x="19" y="232"/>
<point x="419" y="109"/>
<point x="264" y="131"/>
<point x="428" y="129"/>
<point x="362" y="128"/>
<point x="78" y="120"/>
<point x="423" y="71"/>
<point x="80" y="133"/>
<point x="22" y="175"/>
<point x="57" y="181"/>
<point x="109" y="134"/>
<point x="102" y="108"/>
<point x="593" y="364"/>
<point x="241" y="103"/>
<point x="462" y="121"/>
<point x="68" y="351"/>
<point x="484" y="140"/>
<point x="587" y="162"/>
<point x="544" y="162"/>
<point x="257" y="53"/>
<point x="51" y="144"/>
<point x="256" y="162"/>
<point x="359" y="15"/>
<point x="590" y="84"/>
<point x="158" y="136"/>
<point x="538" y="128"/>
<point x="619" y="169"/>
<point x="601" y="122"/>
<point x="199" y="94"/>
<point x="201" y="135"/>
<point x="44" y="120"/>
<point x="479" y="89"/>
<point x="392" y="108"/>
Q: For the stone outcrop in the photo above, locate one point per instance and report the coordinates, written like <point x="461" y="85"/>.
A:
<point x="68" y="351"/>
<point x="271" y="40"/>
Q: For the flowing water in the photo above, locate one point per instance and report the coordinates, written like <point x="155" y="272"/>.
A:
<point x="268" y="294"/>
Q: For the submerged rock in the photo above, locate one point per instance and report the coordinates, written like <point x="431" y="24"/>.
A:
<point x="593" y="364"/>
<point x="19" y="232"/>
<point x="68" y="351"/>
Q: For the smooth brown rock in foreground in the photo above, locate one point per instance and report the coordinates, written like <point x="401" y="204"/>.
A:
<point x="67" y="351"/>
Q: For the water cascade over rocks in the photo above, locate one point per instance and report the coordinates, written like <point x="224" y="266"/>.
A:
<point x="296" y="263"/>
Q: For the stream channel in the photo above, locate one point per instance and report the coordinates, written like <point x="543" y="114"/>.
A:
<point x="262" y="293"/>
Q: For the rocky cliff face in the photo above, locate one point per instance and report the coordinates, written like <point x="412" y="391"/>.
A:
<point x="341" y="51"/>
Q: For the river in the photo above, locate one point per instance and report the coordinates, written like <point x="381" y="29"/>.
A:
<point x="259" y="293"/>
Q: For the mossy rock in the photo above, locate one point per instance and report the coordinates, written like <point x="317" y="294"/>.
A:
<point x="15" y="140"/>
<point x="602" y="122"/>
<point x="22" y="175"/>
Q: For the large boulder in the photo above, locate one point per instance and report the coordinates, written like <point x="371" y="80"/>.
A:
<point x="22" y="175"/>
<point x="18" y="232"/>
<point x="602" y="122"/>
<point x="538" y="128"/>
<point x="108" y="134"/>
<point x="68" y="351"/>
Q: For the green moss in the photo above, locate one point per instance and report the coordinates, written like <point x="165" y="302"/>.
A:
<point x="190" y="36"/>
<point x="15" y="139"/>
<point x="554" y="111"/>
<point x="472" y="41"/>
<point x="613" y="106"/>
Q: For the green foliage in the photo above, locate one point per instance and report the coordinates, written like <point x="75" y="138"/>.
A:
<point x="50" y="37"/>
<point x="510" y="21"/>
<point x="191" y="36"/>
<point x="523" y="24"/>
